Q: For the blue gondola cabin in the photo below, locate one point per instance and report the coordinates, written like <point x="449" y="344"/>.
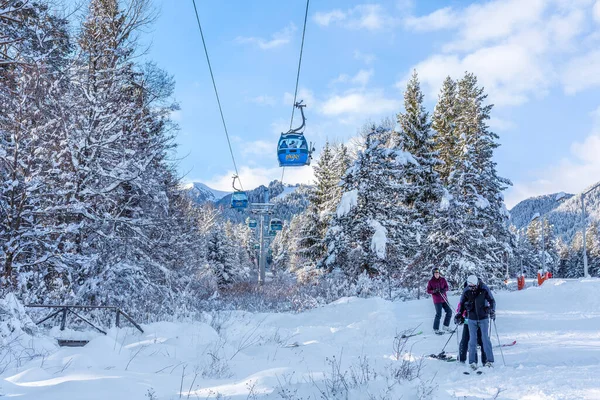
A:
<point x="276" y="225"/>
<point x="239" y="200"/>
<point x="293" y="151"/>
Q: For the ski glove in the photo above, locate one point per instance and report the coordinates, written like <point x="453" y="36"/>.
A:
<point x="493" y="315"/>
<point x="459" y="319"/>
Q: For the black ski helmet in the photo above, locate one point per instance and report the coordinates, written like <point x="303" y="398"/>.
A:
<point x="434" y="270"/>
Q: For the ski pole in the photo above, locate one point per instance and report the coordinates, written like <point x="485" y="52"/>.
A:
<point x="448" y="304"/>
<point x="446" y="300"/>
<point x="444" y="348"/>
<point x="498" y="337"/>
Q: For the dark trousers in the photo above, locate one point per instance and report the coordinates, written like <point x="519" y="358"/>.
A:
<point x="464" y="344"/>
<point x="438" y="315"/>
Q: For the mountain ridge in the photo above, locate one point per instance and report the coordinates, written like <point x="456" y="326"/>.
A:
<point x="562" y="210"/>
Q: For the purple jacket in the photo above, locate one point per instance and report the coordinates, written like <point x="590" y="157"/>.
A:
<point x="439" y="283"/>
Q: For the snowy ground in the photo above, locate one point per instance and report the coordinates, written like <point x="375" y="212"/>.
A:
<point x="346" y="347"/>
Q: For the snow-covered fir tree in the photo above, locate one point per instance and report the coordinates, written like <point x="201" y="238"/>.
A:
<point x="471" y="233"/>
<point x="546" y="255"/>
<point x="443" y="122"/>
<point x="371" y="229"/>
<point x="33" y="57"/>
<point x="421" y="188"/>
<point x="323" y="199"/>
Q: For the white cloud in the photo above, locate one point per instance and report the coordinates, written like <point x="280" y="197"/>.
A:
<point x="303" y="94"/>
<point x="259" y="147"/>
<point x="360" y="104"/>
<point x="582" y="72"/>
<point x="263" y="100"/>
<point x="500" y="124"/>
<point x="365" y="57"/>
<point x="341" y="78"/>
<point x="361" y="78"/>
<point x="364" y="16"/>
<point x="324" y="19"/>
<point x="509" y="73"/>
<point x="596" y="11"/>
<point x="571" y="174"/>
<point x="496" y="20"/>
<point x="251" y="178"/>
<point x="443" y="18"/>
<point x="517" y="53"/>
<point x="277" y="39"/>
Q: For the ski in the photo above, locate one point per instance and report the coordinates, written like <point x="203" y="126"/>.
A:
<point x="477" y="372"/>
<point x="443" y="357"/>
<point x="507" y="344"/>
<point x="411" y="335"/>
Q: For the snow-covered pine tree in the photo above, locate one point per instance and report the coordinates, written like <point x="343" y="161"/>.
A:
<point x="422" y="189"/>
<point x="443" y="122"/>
<point x="370" y="231"/>
<point x="549" y="257"/>
<point x="575" y="263"/>
<point x="477" y="186"/>
<point x="33" y="52"/>
<point x="316" y="217"/>
<point x="120" y="191"/>
<point x="218" y="257"/>
<point x="282" y="247"/>
<point x="592" y="239"/>
<point x="562" y="250"/>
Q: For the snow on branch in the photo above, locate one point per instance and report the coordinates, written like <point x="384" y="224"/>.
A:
<point x="349" y="201"/>
<point x="379" y="240"/>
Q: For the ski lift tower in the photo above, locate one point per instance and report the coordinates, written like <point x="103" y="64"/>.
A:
<point x="262" y="209"/>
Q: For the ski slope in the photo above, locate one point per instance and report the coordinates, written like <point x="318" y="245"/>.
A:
<point x="343" y="350"/>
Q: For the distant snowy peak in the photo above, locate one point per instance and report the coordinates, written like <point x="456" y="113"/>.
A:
<point x="201" y="193"/>
<point x="561" y="210"/>
<point x="524" y="212"/>
<point x="287" y="190"/>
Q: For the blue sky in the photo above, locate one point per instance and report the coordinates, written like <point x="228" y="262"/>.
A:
<point x="539" y="61"/>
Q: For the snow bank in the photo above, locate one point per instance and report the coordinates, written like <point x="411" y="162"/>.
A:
<point x="352" y="343"/>
<point x="20" y="339"/>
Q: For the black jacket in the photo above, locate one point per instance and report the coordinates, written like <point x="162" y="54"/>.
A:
<point x="478" y="302"/>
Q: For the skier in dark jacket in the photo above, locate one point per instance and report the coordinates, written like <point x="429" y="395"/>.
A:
<point x="460" y="319"/>
<point x="479" y="303"/>
<point x="437" y="288"/>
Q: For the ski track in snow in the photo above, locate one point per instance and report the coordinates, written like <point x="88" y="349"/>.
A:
<point x="557" y="328"/>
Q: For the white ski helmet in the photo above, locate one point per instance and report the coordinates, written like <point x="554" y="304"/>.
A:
<point x="472" y="280"/>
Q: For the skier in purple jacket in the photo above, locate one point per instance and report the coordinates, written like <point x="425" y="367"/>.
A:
<point x="437" y="288"/>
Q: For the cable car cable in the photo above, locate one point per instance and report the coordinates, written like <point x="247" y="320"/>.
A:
<point x="217" y="93"/>
<point x="299" y="64"/>
<point x="298" y="74"/>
